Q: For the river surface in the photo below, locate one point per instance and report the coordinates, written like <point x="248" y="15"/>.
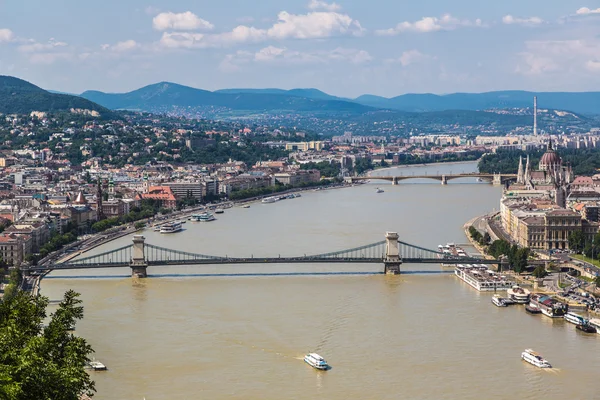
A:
<point x="203" y="333"/>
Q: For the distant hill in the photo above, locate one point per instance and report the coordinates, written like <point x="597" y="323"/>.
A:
<point x="18" y="96"/>
<point x="307" y="93"/>
<point x="578" y="102"/>
<point x="167" y="94"/>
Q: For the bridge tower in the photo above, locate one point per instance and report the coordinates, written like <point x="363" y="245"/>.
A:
<point x="392" y="259"/>
<point x="395" y="181"/>
<point x="497" y="180"/>
<point x="444" y="180"/>
<point x="138" y="262"/>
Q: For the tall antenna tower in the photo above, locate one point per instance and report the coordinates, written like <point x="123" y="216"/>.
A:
<point x="534" y="115"/>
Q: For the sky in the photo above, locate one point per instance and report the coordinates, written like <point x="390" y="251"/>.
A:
<point x="343" y="47"/>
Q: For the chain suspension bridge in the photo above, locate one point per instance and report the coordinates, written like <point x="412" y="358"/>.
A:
<point x="391" y="252"/>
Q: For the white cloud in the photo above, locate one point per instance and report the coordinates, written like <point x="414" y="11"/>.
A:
<point x="413" y="57"/>
<point x="121" y="47"/>
<point x="314" y="25"/>
<point x="532" y="21"/>
<point x="593" y="66"/>
<point x="33" y="46"/>
<point x="430" y="24"/>
<point x="587" y="11"/>
<point x="559" y="56"/>
<point x="321" y="5"/>
<point x="6" y="35"/>
<point x="49" y="58"/>
<point x="283" y="55"/>
<point x="186" y="21"/>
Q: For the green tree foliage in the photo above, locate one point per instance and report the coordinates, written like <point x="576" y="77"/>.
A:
<point x="327" y="169"/>
<point x="597" y="281"/>
<point x="362" y="165"/>
<point x="517" y="257"/>
<point x="42" y="363"/>
<point x="540" y="272"/>
<point x="577" y="241"/>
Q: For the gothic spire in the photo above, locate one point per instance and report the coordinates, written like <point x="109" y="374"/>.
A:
<point x="520" y="175"/>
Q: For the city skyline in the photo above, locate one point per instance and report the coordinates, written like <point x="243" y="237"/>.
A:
<point x="343" y="48"/>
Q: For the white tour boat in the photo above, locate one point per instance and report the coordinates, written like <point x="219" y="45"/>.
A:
<point x="316" y="361"/>
<point x="204" y="217"/>
<point x="518" y="294"/>
<point x="499" y="301"/>
<point x="482" y="278"/>
<point x="379" y="190"/>
<point x="96" y="366"/>
<point x="595" y="322"/>
<point x="575" y="318"/>
<point x="268" y="200"/>
<point x="171" y="227"/>
<point x="219" y="211"/>
<point x="535" y="359"/>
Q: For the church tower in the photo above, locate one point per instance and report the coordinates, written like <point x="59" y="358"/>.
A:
<point x="520" y="174"/>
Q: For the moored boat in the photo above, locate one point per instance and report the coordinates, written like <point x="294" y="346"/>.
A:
<point x="575" y="318"/>
<point x="595" y="322"/>
<point x="268" y="200"/>
<point x="482" y="278"/>
<point x="219" y="211"/>
<point x="534" y="358"/>
<point x="316" y="361"/>
<point x="518" y="294"/>
<point x="171" y="227"/>
<point x="550" y="307"/>
<point x="531" y="309"/>
<point x="587" y="328"/>
<point x="499" y="301"/>
<point x="246" y="206"/>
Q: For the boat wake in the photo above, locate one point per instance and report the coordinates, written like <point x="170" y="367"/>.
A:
<point x="341" y="315"/>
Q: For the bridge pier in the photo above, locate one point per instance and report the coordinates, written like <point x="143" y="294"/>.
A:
<point x="444" y="180"/>
<point x="392" y="259"/>
<point x="138" y="262"/>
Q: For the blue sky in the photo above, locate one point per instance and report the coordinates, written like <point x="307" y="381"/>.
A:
<point x="344" y="47"/>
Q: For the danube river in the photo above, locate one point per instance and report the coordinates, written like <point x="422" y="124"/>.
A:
<point x="188" y="333"/>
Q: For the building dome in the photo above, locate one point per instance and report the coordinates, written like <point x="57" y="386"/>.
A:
<point x="550" y="159"/>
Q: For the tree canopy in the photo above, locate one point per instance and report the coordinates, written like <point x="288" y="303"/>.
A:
<point x="37" y="362"/>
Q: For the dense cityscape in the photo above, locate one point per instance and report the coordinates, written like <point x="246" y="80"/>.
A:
<point x="184" y="215"/>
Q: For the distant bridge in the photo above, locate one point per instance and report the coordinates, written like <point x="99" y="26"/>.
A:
<point x="496" y="179"/>
<point x="139" y="256"/>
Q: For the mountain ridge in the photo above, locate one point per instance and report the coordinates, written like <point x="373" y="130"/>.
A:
<point x="18" y="96"/>
<point x="577" y="102"/>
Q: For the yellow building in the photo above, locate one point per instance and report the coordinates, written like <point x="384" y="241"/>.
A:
<point x="305" y="146"/>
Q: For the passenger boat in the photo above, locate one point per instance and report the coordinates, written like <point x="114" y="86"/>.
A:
<point x="268" y="200"/>
<point x="450" y="250"/>
<point x="518" y="294"/>
<point x="595" y="322"/>
<point x="535" y="359"/>
<point x="219" y="211"/>
<point x="482" y="278"/>
<point x="171" y="227"/>
<point x="550" y="307"/>
<point x="204" y="217"/>
<point x="316" y="361"/>
<point x="499" y="301"/>
<point x="575" y="318"/>
<point x="246" y="206"/>
<point x="531" y="309"/>
<point x="378" y="190"/>
<point x="157" y="229"/>
<point x="96" y="366"/>
<point x="587" y="328"/>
